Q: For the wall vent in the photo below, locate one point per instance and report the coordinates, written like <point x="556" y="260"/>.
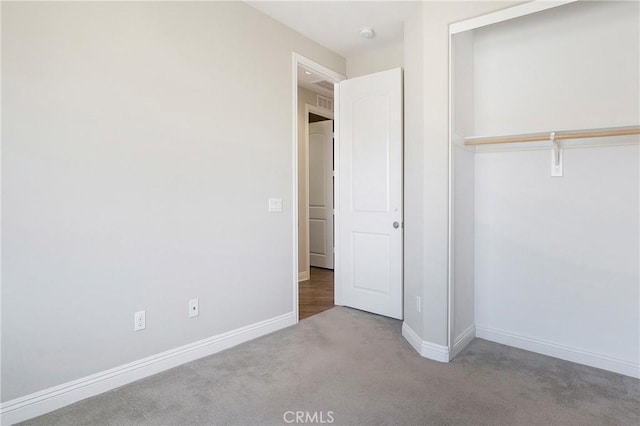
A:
<point x="324" y="102"/>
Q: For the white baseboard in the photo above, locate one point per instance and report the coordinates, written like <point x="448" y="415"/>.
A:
<point x="412" y="337"/>
<point x="47" y="400"/>
<point x="426" y="349"/>
<point x="461" y="342"/>
<point x="567" y="353"/>
<point x="304" y="276"/>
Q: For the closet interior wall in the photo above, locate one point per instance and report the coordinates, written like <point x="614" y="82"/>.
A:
<point x="549" y="264"/>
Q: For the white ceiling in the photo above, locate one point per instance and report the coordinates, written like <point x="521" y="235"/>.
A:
<point x="336" y="24"/>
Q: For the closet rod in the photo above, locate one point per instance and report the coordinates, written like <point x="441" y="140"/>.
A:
<point x="565" y="134"/>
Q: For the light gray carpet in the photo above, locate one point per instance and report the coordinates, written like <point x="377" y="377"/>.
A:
<point x="359" y="367"/>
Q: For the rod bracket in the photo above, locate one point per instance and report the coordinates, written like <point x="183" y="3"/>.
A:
<point x="556" y="156"/>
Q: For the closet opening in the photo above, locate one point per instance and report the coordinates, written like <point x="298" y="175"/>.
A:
<point x="535" y="154"/>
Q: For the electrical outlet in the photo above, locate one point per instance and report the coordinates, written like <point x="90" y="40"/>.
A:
<point x="194" y="308"/>
<point x="419" y="303"/>
<point x="140" y="321"/>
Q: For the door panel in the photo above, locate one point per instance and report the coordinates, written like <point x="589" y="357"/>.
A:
<point x="370" y="147"/>
<point x="367" y="275"/>
<point x="321" y="194"/>
<point x="370" y="170"/>
<point x="317" y="232"/>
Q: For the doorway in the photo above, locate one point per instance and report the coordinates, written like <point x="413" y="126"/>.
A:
<point x="368" y="235"/>
<point x="315" y="193"/>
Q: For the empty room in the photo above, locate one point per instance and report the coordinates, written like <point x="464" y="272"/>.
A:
<point x="320" y="212"/>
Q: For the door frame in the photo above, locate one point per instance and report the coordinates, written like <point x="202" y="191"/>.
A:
<point x="336" y="78"/>
<point x="329" y="115"/>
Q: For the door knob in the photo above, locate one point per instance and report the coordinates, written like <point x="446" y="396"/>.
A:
<point x="396" y="225"/>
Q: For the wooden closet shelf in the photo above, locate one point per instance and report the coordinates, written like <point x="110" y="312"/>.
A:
<point x="559" y="135"/>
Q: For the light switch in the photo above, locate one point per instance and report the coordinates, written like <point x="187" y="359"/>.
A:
<point x="275" y="204"/>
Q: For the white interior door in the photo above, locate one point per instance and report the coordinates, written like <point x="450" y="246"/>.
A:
<point x="321" y="194"/>
<point x="370" y="198"/>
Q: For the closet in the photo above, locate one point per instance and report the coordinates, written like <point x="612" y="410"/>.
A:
<point x="545" y="181"/>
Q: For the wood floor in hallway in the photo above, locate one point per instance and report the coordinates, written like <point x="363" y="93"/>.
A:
<point x="316" y="294"/>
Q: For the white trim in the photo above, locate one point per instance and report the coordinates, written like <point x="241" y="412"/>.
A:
<point x="337" y="267"/>
<point x="462" y="341"/>
<point x="426" y="349"/>
<point x="450" y="205"/>
<point x="318" y="111"/>
<point x="335" y="77"/>
<point x="304" y="276"/>
<point x="435" y="352"/>
<point x="315" y="67"/>
<point x="411" y="336"/>
<point x="565" y="352"/>
<point x="294" y="198"/>
<point x="505" y="15"/>
<point x="47" y="400"/>
<point x="1" y="162"/>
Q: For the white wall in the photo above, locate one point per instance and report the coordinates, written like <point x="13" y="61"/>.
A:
<point x="574" y="66"/>
<point x="426" y="171"/>
<point x="462" y="183"/>
<point x="557" y="260"/>
<point x="376" y="60"/>
<point x="434" y="193"/>
<point x="132" y="179"/>
<point x="413" y="169"/>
